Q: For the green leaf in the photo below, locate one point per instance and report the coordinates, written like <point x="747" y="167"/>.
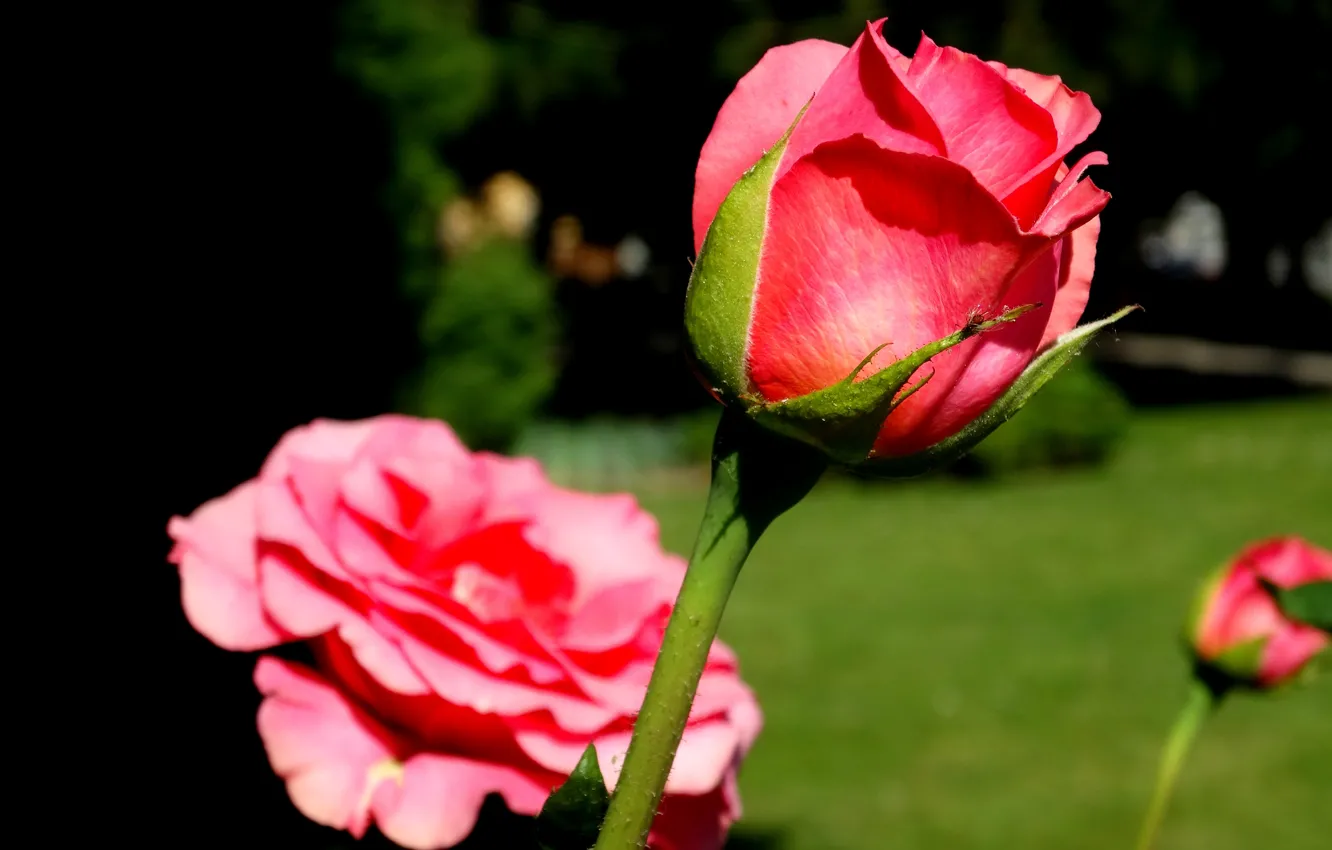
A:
<point x="1309" y="603"/>
<point x="571" y="817"/>
<point x="720" y="297"/>
<point x="844" y="420"/>
<point x="1041" y="370"/>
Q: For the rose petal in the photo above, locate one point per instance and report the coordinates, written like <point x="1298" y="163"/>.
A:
<point x="215" y="551"/>
<point x="433" y="723"/>
<point x="613" y="617"/>
<point x="515" y="486"/>
<point x="367" y="551"/>
<point x="331" y="757"/>
<point x="754" y="116"/>
<point x="440" y="796"/>
<point x="323" y="440"/>
<point x="379" y="658"/>
<point x="607" y="540"/>
<point x="341" y="769"/>
<point x="1214" y="628"/>
<point x="1076" y="268"/>
<point x="695" y="821"/>
<point x="868" y="246"/>
<point x="1288" y="650"/>
<point x="1074" y="116"/>
<point x="313" y="488"/>
<point x="405" y="496"/>
<point x="1248" y="612"/>
<point x="417" y="479"/>
<point x="283" y="524"/>
<point x="723" y="723"/>
<point x="623" y="692"/>
<point x="464" y="684"/>
<point x="968" y="378"/>
<point x="413" y="490"/>
<point x="721" y="689"/>
<point x="707" y="751"/>
<point x="303" y="585"/>
<point x="1073" y="113"/>
<point x="1029" y="200"/>
<point x="865" y="95"/>
<point x="1289" y="561"/>
<point x="990" y="126"/>
<point x="303" y="600"/>
<point x="1074" y="201"/>
<point x="432" y="623"/>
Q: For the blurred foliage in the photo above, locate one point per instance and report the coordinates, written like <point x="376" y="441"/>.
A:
<point x="487" y="332"/>
<point x="434" y="75"/>
<point x="488" y="328"/>
<point x="1075" y="420"/>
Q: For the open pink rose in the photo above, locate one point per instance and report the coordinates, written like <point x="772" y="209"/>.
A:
<point x="475" y="627"/>
<point x="1238" y="627"/>
<point x="914" y="196"/>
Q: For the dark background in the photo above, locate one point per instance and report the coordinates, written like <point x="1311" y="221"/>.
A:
<point x="272" y="267"/>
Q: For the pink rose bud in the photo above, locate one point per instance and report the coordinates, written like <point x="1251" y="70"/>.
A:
<point x="474" y="625"/>
<point x="1240" y="634"/>
<point x="859" y="213"/>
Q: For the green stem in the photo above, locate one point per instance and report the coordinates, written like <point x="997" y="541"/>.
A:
<point x="756" y="476"/>
<point x="1201" y="701"/>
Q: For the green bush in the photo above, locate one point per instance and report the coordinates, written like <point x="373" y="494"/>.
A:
<point x="489" y="332"/>
<point x="437" y="68"/>
<point x="1075" y="420"/>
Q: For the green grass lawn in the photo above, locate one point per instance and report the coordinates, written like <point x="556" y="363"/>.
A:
<point x="994" y="665"/>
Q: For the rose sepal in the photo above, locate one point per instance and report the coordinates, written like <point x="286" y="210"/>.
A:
<point x="1042" y="369"/>
<point x="1236" y="667"/>
<point x="720" y="297"/>
<point x="844" y="420"/>
<point x="1310" y="603"/>
<point x="571" y="817"/>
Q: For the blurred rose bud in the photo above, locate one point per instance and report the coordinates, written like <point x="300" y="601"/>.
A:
<point x="1240" y="634"/>
<point x="892" y="253"/>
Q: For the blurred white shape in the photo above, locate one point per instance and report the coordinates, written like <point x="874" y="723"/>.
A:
<point x="1192" y="241"/>
<point x="1278" y="265"/>
<point x="569" y="256"/>
<point x="632" y="256"/>
<point x="1205" y="357"/>
<point x="1318" y="261"/>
